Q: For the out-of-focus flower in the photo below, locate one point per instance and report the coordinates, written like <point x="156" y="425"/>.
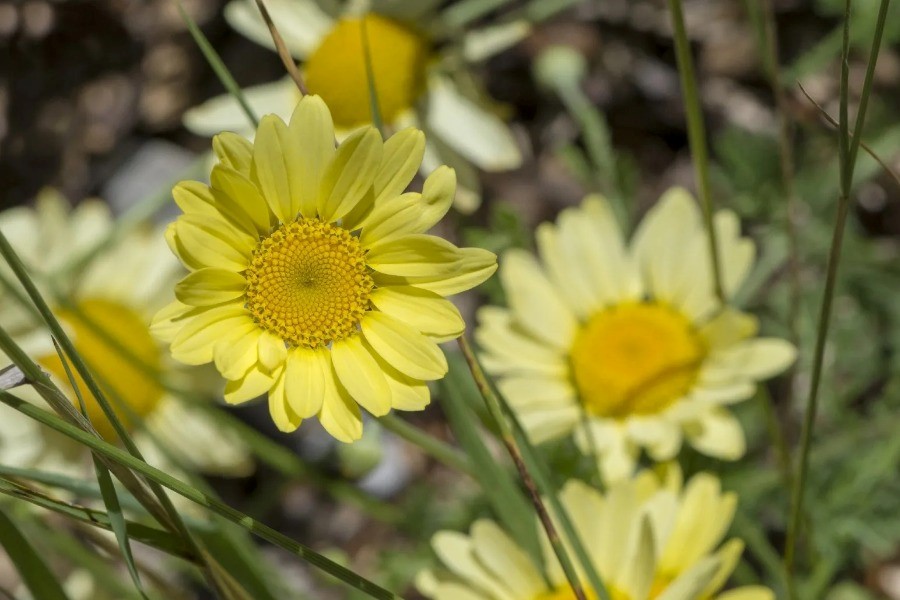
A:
<point x="628" y="347"/>
<point x="312" y="278"/>
<point x="647" y="539"/>
<point x="105" y="297"/>
<point x="416" y="83"/>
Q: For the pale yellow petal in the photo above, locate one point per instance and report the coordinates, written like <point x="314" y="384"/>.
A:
<point x="224" y="112"/>
<point x="403" y="347"/>
<point x="717" y="433"/>
<point x="350" y="174"/>
<point x="360" y="374"/>
<point x="729" y="555"/>
<point x="167" y="322"/>
<point x="749" y="592"/>
<point x="639" y="563"/>
<point x="687" y="585"/>
<point x="505" y="560"/>
<point x="561" y="261"/>
<point x="276" y="154"/>
<point x="407" y="393"/>
<point x="509" y="350"/>
<point x="480" y="137"/>
<point x="457" y="553"/>
<point x="210" y="286"/>
<point x="425" y="311"/>
<point x="538" y="307"/>
<point x="311" y="124"/>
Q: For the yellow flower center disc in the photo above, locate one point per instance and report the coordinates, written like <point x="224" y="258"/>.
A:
<point x="635" y="359"/>
<point x="116" y="344"/>
<point x="336" y="70"/>
<point x="307" y="283"/>
<point x="565" y="593"/>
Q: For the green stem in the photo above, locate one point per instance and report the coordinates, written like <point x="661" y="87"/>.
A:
<point x="506" y="436"/>
<point x="847" y="151"/>
<point x="428" y="443"/>
<point x="696" y="137"/>
<point x="215" y="61"/>
<point x="165" y="480"/>
<point x="374" y="105"/>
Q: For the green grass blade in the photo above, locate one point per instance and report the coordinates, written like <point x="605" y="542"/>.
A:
<point x="501" y="491"/>
<point x="35" y="573"/>
<point x="107" y="489"/>
<point x="117" y="522"/>
<point x="151" y="536"/>
<point x="215" y="61"/>
<point x="216" y="506"/>
<point x="461" y="13"/>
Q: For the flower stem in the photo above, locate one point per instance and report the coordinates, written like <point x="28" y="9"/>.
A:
<point x="696" y="137"/>
<point x="428" y="443"/>
<point x="848" y="146"/>
<point x="502" y="421"/>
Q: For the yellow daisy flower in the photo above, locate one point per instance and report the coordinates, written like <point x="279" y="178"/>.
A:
<point x="312" y="277"/>
<point x="628" y="345"/>
<point x="414" y="81"/>
<point x="648" y="539"/>
<point x="110" y="300"/>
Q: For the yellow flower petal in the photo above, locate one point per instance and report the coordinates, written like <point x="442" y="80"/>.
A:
<point x="239" y="198"/>
<point x="167" y="322"/>
<point x="194" y="343"/>
<point x="209" y="286"/>
<point x="395" y="218"/>
<point x="212" y="244"/>
<point x="472" y="267"/>
<point x="349" y="176"/>
<point x="305" y="379"/>
<point x="238" y="351"/>
<point x="234" y="151"/>
<point x="414" y="255"/>
<point x="423" y="310"/>
<point x="403" y="154"/>
<point x="276" y="154"/>
<point x="253" y="385"/>
<point x="403" y="347"/>
<point x="360" y="375"/>
<point x="339" y="415"/>
<point x="719" y="434"/>
<point x="272" y="351"/>
<point x="311" y="123"/>
<point x="283" y="415"/>
<point x="437" y="197"/>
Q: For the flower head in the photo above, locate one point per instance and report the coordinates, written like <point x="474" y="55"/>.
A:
<point x="410" y="71"/>
<point x="105" y="293"/>
<point x="312" y="278"/>
<point x="633" y="338"/>
<point x="647" y="538"/>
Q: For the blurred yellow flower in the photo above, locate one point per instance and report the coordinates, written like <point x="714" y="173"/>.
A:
<point x="647" y="539"/>
<point x="629" y="345"/>
<point x="312" y="278"/>
<point x="105" y="297"/>
<point x="415" y="75"/>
